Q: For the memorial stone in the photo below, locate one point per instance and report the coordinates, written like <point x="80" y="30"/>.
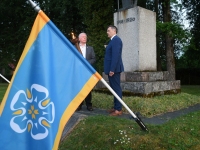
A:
<point x="137" y="29"/>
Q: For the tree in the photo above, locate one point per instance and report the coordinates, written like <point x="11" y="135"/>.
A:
<point x="16" y="26"/>
<point x="170" y="34"/>
<point x="65" y="15"/>
<point x="142" y="3"/>
<point x="169" y="41"/>
<point x="97" y="15"/>
<point x="192" y="53"/>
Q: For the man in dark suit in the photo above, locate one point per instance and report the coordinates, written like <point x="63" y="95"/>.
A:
<point x="89" y="55"/>
<point x="113" y="66"/>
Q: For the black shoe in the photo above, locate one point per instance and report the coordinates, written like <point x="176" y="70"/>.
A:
<point x="89" y="108"/>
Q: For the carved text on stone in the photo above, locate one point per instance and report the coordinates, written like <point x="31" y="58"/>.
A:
<point x="131" y="19"/>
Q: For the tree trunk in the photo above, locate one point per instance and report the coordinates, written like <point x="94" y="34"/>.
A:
<point x="169" y="42"/>
<point x="170" y="57"/>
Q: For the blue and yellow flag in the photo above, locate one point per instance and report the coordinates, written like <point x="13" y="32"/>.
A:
<point x="49" y="83"/>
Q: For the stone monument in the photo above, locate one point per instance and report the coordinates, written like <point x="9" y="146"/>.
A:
<point x="137" y="29"/>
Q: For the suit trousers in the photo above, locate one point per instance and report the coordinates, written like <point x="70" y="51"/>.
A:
<point x="115" y="85"/>
<point x="88" y="100"/>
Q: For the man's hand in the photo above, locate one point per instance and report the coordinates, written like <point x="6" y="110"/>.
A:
<point x="111" y="73"/>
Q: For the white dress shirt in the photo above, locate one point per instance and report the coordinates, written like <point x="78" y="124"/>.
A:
<point x="83" y="50"/>
<point x="113" y="36"/>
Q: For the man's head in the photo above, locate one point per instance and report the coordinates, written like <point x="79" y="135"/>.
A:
<point x="82" y="38"/>
<point x="111" y="30"/>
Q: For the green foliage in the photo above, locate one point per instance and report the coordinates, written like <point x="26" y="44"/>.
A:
<point x="173" y="29"/>
<point x="17" y="18"/>
<point x="16" y="21"/>
<point x="142" y="3"/>
<point x="93" y="17"/>
<point x="97" y="15"/>
<point x="180" y="35"/>
<point x="190" y="59"/>
<point x="65" y="15"/>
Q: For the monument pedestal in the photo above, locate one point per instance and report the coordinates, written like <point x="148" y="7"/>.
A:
<point x="145" y="84"/>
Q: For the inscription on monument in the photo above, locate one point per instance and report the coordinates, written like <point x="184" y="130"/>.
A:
<point x="126" y="20"/>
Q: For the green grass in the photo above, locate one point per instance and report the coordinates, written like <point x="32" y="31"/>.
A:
<point x="149" y="107"/>
<point x="191" y="89"/>
<point x="3" y="87"/>
<point x="113" y="133"/>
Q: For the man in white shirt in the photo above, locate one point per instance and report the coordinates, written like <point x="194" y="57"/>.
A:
<point x="89" y="55"/>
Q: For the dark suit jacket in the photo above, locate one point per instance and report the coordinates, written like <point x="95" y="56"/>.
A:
<point x="90" y="55"/>
<point x="113" y="56"/>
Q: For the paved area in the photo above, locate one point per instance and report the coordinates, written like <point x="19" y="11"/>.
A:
<point x="156" y="120"/>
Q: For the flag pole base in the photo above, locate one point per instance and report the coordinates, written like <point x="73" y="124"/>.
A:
<point x="140" y="122"/>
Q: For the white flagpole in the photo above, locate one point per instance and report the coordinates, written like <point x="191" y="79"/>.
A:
<point x="137" y="119"/>
<point x="4" y="78"/>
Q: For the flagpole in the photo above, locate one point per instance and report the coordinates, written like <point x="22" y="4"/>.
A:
<point x="4" y="78"/>
<point x="136" y="118"/>
<point x="34" y="5"/>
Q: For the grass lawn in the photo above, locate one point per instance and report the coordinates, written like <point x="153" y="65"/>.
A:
<point x="113" y="133"/>
<point x="191" y="89"/>
<point x="3" y="88"/>
<point x="149" y="107"/>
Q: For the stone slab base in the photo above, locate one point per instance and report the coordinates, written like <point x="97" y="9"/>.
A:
<point x="145" y="84"/>
<point x="149" y="87"/>
<point x="145" y="95"/>
<point x="141" y="76"/>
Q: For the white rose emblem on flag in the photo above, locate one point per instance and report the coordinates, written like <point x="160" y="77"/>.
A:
<point x="33" y="112"/>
